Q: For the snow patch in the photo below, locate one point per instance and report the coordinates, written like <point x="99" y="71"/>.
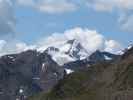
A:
<point x="129" y="47"/>
<point x="21" y="91"/>
<point x="68" y="71"/>
<point x="62" y="58"/>
<point x="43" y="67"/>
<point x="107" y="58"/>
<point x="36" y="78"/>
<point x="65" y="48"/>
<point x="10" y="57"/>
<point x="55" y="74"/>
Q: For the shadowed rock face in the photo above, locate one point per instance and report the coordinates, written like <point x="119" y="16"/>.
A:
<point x="76" y="50"/>
<point x="94" y="58"/>
<point x="99" y="56"/>
<point x="24" y="74"/>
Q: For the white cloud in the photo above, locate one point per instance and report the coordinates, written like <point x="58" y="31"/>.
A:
<point x="2" y="44"/>
<point x="11" y="47"/>
<point x="127" y="25"/>
<point x="122" y="7"/>
<point x="49" y="6"/>
<point x="25" y="2"/>
<point x="7" y="18"/>
<point x="112" y="46"/>
<point x="100" y="5"/>
<point x="91" y="40"/>
<point x="55" y="6"/>
<point x="109" y="5"/>
<point x="23" y="47"/>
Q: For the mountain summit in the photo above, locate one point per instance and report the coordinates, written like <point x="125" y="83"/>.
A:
<point x="71" y="50"/>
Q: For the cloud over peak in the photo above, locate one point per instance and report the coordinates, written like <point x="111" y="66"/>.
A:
<point x="91" y="40"/>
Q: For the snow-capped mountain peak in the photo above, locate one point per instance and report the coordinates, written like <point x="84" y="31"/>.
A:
<point x="77" y="51"/>
<point x="71" y="50"/>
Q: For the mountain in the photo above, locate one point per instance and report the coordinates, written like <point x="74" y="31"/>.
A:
<point x="33" y="71"/>
<point x="76" y="50"/>
<point x="69" y="51"/>
<point x="72" y="55"/>
<point x="102" y="81"/>
<point x="94" y="58"/>
<point x="73" y="50"/>
<point x="98" y="56"/>
<point x="27" y="73"/>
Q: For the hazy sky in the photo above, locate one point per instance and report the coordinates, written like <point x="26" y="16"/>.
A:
<point x="29" y="20"/>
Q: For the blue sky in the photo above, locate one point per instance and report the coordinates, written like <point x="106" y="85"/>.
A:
<point x="34" y="19"/>
<point x="32" y="24"/>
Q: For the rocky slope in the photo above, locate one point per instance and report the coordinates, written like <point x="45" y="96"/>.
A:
<point x="102" y="81"/>
<point x="94" y="58"/>
<point x="24" y="74"/>
<point x="31" y="72"/>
